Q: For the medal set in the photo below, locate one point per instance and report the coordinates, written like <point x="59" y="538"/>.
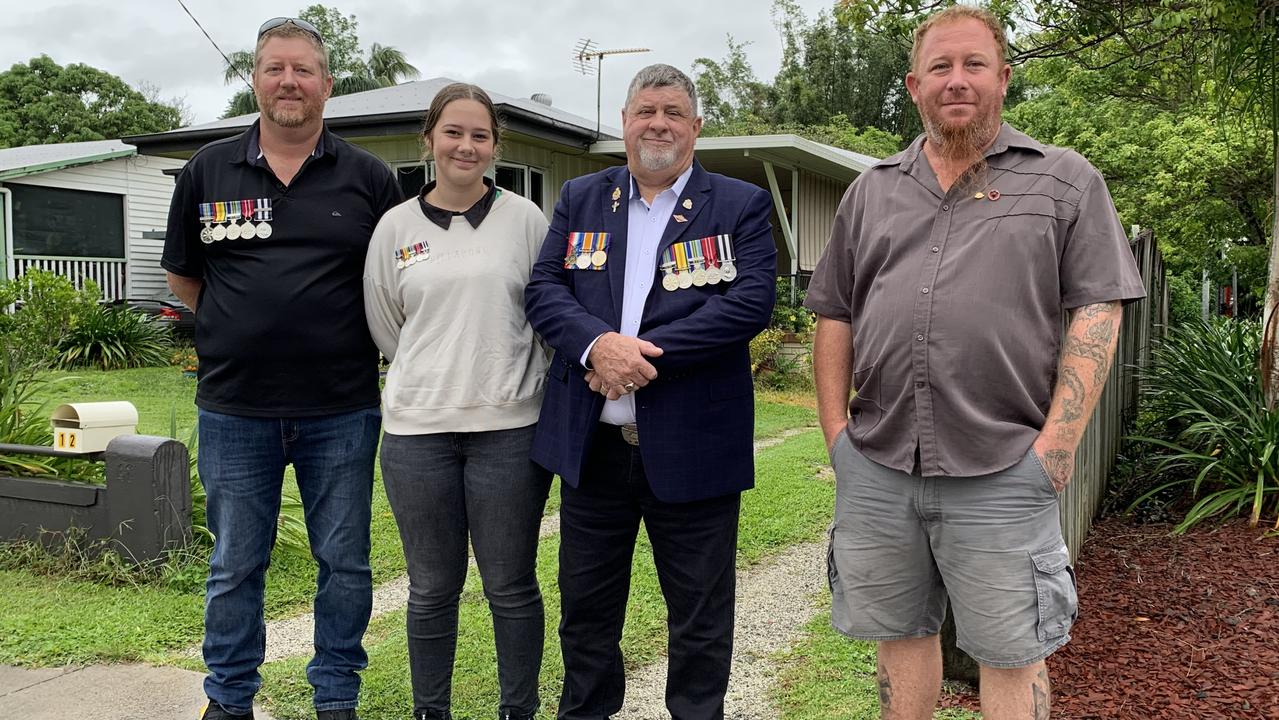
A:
<point x="708" y="261"/>
<point x="410" y="255"/>
<point x="256" y="214"/>
<point x="586" y="251"/>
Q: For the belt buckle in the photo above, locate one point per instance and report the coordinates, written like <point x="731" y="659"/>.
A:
<point x="630" y="433"/>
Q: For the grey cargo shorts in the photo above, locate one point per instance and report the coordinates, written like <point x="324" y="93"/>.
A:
<point x="902" y="545"/>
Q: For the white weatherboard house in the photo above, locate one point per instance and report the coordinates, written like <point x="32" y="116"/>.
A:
<point x="86" y="210"/>
<point x="544" y="146"/>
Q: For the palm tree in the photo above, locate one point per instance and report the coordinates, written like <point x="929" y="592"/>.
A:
<point x="384" y="67"/>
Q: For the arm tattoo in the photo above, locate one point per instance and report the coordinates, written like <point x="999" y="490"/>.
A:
<point x="1043" y="699"/>
<point x="885" y="690"/>
<point x="1059" y="465"/>
<point x="1072" y="406"/>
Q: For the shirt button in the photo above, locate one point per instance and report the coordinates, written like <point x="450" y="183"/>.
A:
<point x="920" y="337"/>
<point x="919" y="384"/>
<point x="936" y="249"/>
<point x="924" y="291"/>
<point x="945" y="207"/>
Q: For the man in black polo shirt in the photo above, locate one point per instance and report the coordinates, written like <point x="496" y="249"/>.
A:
<point x="266" y="242"/>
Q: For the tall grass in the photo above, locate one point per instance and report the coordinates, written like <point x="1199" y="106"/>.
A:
<point x="1217" y="437"/>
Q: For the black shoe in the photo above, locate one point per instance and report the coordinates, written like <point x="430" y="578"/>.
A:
<point x="509" y="714"/>
<point x="432" y="715"/>
<point x="214" y="711"/>
<point x="343" y="714"/>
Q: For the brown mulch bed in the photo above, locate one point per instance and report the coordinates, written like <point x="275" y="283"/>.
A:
<point x="1170" y="627"/>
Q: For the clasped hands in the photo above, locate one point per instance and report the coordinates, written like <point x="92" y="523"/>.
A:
<point x="619" y="365"/>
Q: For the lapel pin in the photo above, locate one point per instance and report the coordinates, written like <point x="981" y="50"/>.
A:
<point x="978" y="196"/>
<point x="680" y="218"/>
<point x="617" y="194"/>
<point x="614" y="206"/>
<point x="993" y="194"/>
<point x="688" y="204"/>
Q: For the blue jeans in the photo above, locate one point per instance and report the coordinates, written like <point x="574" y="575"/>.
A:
<point x="242" y="461"/>
<point x="444" y="487"/>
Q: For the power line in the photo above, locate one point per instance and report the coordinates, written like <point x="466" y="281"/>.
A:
<point x="229" y="64"/>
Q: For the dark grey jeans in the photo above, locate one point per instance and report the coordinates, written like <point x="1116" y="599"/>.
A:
<point x="441" y="487"/>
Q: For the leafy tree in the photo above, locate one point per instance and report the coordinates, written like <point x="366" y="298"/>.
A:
<point x="352" y="72"/>
<point x="43" y="102"/>
<point x="1222" y="52"/>
<point x="1201" y="184"/>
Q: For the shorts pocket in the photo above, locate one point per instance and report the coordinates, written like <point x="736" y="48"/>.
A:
<point x="832" y="575"/>
<point x="1055" y="587"/>
<point x="1043" y="472"/>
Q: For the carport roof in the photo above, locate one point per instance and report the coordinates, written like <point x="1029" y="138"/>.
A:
<point x="742" y="156"/>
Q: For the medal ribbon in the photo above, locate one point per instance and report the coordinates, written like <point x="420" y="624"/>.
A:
<point x="233" y="210"/>
<point x="698" y="260"/>
<point x="708" y="247"/>
<point x="588" y="243"/>
<point x="219" y="212"/>
<point x="725" y="247"/>
<point x="246" y="206"/>
<point x="206" y="212"/>
<point x="681" y="258"/>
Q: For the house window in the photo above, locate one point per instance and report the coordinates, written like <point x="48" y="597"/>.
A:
<point x="522" y="180"/>
<point x="54" y="222"/>
<point x="413" y="177"/>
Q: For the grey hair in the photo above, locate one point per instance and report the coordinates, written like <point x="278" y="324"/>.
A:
<point x="661" y="75"/>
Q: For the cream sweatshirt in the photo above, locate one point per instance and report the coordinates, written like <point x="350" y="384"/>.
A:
<point x="446" y="308"/>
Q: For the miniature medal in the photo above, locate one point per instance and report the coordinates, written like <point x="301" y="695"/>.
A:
<point x="233" y="228"/>
<point x="699" y="273"/>
<point x="262" y="209"/>
<point x="248" y="230"/>
<point x="206" y="217"/>
<point x="712" y="261"/>
<point x="728" y="271"/>
<point x="598" y="258"/>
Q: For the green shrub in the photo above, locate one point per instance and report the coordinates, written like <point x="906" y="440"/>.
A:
<point x="764" y="347"/>
<point x="114" y="338"/>
<point x="1215" y="433"/>
<point x="48" y="308"/>
<point x="791" y="317"/>
<point x="24" y="420"/>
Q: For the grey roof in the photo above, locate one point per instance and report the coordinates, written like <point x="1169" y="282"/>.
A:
<point x="19" y="161"/>
<point x="411" y="97"/>
<point x="791" y="150"/>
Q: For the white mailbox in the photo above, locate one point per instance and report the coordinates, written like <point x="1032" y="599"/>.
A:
<point x="88" y="427"/>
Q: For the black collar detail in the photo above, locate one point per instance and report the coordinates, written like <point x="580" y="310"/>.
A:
<point x="444" y="218"/>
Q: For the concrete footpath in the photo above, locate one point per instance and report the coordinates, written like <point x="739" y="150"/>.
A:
<point x="103" y="692"/>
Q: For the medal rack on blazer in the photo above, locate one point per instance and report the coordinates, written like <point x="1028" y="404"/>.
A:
<point x="697" y="263"/>
<point x="236" y="220"/>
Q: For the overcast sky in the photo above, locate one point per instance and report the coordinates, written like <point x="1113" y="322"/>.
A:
<point x="515" y="47"/>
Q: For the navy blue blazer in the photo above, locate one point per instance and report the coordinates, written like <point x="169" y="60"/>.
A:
<point x="696" y="420"/>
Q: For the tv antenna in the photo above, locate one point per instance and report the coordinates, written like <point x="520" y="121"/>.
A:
<point x="586" y="51"/>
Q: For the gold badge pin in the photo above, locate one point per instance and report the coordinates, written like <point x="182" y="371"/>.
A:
<point x="978" y="196"/>
<point x="688" y="204"/>
<point x="617" y="194"/>
<point x="680" y="218"/>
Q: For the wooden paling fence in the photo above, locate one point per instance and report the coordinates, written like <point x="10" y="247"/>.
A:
<point x="1143" y="321"/>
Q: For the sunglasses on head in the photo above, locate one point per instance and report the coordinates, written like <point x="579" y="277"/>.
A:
<point x="274" y="23"/>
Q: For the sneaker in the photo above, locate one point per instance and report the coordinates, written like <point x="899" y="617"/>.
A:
<point x="214" y="711"/>
<point x="343" y="714"/>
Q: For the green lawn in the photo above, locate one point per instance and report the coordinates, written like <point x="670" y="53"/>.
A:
<point x="48" y="621"/>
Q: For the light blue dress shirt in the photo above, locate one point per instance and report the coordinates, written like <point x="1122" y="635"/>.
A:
<point x="645" y="225"/>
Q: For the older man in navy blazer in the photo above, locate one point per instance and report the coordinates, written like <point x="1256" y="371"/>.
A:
<point x="653" y="279"/>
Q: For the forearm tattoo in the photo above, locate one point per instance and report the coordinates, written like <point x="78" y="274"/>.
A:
<point x="1089" y="346"/>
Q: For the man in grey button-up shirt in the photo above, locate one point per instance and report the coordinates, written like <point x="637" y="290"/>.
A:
<point x="941" y="296"/>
